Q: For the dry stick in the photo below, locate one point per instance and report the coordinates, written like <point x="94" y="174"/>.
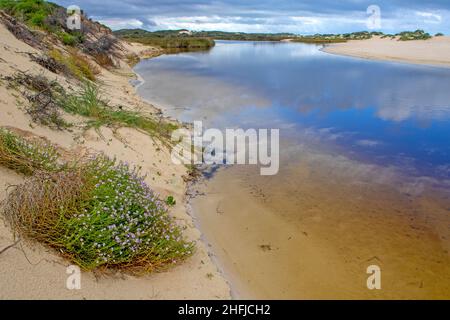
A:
<point x="10" y="246"/>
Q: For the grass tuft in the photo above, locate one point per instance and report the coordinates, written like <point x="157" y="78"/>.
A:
<point x="26" y="157"/>
<point x="78" y="66"/>
<point x="88" y="103"/>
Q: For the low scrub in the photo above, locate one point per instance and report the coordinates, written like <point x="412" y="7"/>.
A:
<point x="97" y="213"/>
<point x="104" y="60"/>
<point x="413" y="35"/>
<point x="48" y="99"/>
<point x="42" y="95"/>
<point x="172" y="42"/>
<point x="89" y="103"/>
<point x="77" y="65"/>
<point x="26" y="157"/>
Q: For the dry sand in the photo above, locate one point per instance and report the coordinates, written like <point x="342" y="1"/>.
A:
<point x="29" y="271"/>
<point x="435" y="51"/>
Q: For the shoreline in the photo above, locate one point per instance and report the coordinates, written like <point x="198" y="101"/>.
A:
<point x="236" y="250"/>
<point x="190" y="193"/>
<point x="434" y="52"/>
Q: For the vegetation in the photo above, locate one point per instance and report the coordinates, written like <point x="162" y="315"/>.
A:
<point x="51" y="18"/>
<point x="32" y="12"/>
<point x="158" y="37"/>
<point x="77" y="65"/>
<point x="413" y="35"/>
<point x="240" y="36"/>
<point x="335" y="38"/>
<point x="97" y="213"/>
<point x="439" y="34"/>
<point x="166" y="40"/>
<point x="26" y="157"/>
<point x="88" y="103"/>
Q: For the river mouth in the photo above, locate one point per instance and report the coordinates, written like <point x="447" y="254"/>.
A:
<point x="363" y="177"/>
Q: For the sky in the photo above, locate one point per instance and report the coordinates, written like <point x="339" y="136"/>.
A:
<point x="271" y="16"/>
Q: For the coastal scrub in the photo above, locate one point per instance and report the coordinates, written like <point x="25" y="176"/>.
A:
<point x="26" y="157"/>
<point x="99" y="213"/>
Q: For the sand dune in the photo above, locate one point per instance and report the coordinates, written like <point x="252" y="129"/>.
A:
<point x="31" y="271"/>
<point x="435" y="51"/>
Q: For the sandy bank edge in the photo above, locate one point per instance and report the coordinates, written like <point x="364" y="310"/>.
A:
<point x="434" y="52"/>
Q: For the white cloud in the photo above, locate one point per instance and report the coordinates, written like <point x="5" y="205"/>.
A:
<point x="118" y="23"/>
<point x="430" y="17"/>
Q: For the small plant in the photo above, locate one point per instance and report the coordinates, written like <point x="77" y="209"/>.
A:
<point x="413" y="35"/>
<point x="78" y="66"/>
<point x="68" y="39"/>
<point x="439" y="34"/>
<point x="41" y="93"/>
<point x="32" y="12"/>
<point x="26" y="157"/>
<point x="89" y="103"/>
<point x="104" y="60"/>
<point x="170" y="201"/>
<point x="49" y="63"/>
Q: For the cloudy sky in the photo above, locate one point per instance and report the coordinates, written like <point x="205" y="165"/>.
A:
<point x="300" y="17"/>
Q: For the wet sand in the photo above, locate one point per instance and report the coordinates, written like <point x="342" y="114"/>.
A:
<point x="312" y="231"/>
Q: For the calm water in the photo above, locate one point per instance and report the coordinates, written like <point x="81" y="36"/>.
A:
<point x="386" y="113"/>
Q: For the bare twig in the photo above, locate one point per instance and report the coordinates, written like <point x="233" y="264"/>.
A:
<point x="9" y="247"/>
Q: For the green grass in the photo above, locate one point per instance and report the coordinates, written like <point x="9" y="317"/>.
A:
<point x="26" y="157"/>
<point x="77" y="65"/>
<point x="88" y="103"/>
<point x="97" y="212"/>
<point x="172" y="42"/>
<point x="318" y="40"/>
<point x="32" y="12"/>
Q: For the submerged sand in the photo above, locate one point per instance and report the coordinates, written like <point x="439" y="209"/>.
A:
<point x="435" y="51"/>
<point x="312" y="231"/>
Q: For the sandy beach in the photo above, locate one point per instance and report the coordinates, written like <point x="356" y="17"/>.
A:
<point x="435" y="51"/>
<point x="31" y="271"/>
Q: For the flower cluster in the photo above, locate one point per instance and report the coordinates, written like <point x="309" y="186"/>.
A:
<point x="123" y="220"/>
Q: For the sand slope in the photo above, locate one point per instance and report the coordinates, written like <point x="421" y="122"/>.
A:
<point x="29" y="271"/>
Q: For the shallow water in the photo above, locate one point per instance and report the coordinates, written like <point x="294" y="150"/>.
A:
<point x="387" y="113"/>
<point x="364" y="176"/>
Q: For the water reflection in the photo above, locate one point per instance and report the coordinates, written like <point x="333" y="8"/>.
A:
<point x="389" y="113"/>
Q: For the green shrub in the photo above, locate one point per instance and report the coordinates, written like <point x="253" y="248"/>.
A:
<point x="32" y="12"/>
<point x="170" y="201"/>
<point x="68" y="39"/>
<point x="100" y="214"/>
